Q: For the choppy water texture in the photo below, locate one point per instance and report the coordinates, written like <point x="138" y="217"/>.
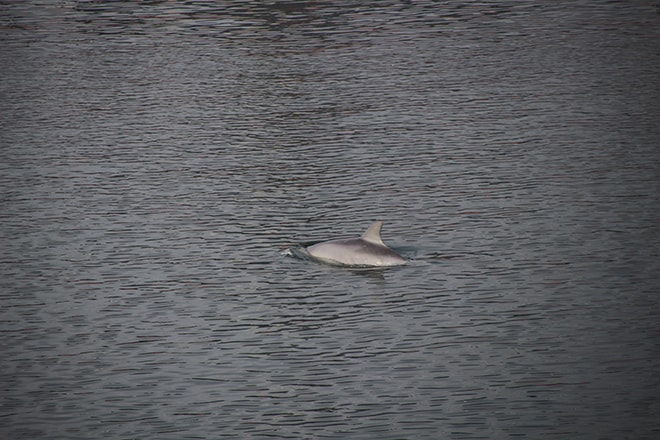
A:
<point x="157" y="157"/>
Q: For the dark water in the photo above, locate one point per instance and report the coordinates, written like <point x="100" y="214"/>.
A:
<point x="157" y="157"/>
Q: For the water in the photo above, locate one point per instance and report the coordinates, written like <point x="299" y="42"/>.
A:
<point x="156" y="158"/>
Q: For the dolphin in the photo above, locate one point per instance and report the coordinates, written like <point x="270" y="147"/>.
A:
<point x="368" y="250"/>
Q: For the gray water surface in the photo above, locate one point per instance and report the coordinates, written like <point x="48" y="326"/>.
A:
<point x="156" y="158"/>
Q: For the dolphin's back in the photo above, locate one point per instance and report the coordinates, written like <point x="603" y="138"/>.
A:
<point x="368" y="250"/>
<point x="355" y="252"/>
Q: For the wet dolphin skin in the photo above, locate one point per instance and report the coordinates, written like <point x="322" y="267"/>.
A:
<point x="368" y="250"/>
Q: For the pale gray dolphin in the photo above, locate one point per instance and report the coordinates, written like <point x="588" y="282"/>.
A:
<point x="368" y="250"/>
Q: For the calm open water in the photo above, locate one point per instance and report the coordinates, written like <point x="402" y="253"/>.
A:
<point x="157" y="157"/>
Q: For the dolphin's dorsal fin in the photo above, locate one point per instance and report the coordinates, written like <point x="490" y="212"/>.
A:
<point x="373" y="234"/>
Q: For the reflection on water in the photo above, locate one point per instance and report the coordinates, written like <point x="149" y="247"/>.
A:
<point x="157" y="157"/>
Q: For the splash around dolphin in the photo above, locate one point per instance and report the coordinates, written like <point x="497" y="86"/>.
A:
<point x="366" y="251"/>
